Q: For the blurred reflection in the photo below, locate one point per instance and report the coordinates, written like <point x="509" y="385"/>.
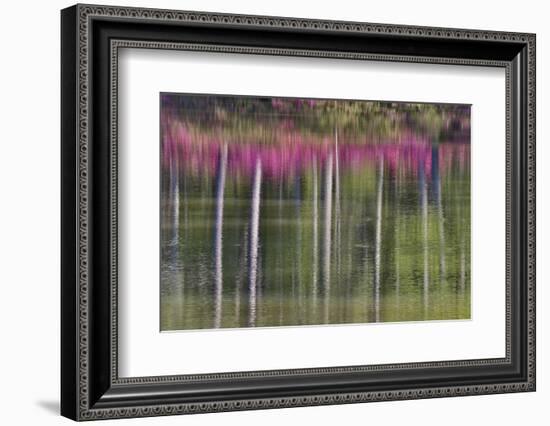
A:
<point x="299" y="211"/>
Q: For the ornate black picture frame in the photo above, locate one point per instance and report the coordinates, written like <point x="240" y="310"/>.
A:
<point x="90" y="39"/>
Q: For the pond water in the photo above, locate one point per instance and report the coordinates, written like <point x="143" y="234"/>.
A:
<point x="270" y="217"/>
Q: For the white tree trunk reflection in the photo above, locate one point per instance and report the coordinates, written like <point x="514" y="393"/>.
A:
<point x="315" y="237"/>
<point x="440" y="218"/>
<point x="253" y="246"/>
<point x="424" y="202"/>
<point x="337" y="219"/>
<point x="397" y="242"/>
<point x="174" y="243"/>
<point x="378" y="240"/>
<point x="327" y="230"/>
<point x="218" y="237"/>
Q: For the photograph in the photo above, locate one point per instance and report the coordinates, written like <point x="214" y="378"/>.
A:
<point x="299" y="211"/>
<point x="275" y="208"/>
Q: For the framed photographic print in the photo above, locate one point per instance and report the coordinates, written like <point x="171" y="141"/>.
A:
<point x="263" y="212"/>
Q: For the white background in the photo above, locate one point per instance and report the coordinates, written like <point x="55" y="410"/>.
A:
<point x="146" y="352"/>
<point x="29" y="225"/>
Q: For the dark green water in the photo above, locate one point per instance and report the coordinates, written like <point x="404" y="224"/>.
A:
<point x="295" y="228"/>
